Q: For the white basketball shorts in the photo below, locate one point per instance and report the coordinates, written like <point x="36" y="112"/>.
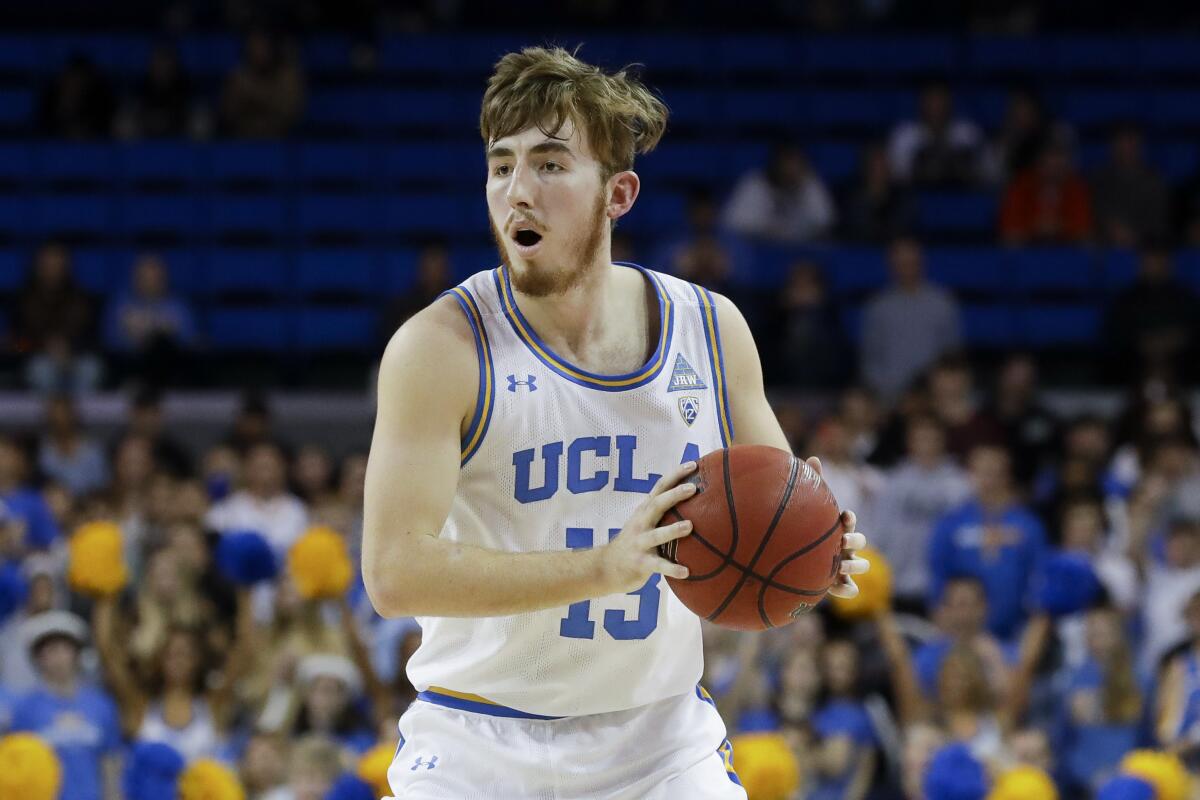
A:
<point x="461" y="747"/>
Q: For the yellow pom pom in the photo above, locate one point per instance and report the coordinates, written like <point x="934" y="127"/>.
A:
<point x="766" y="766"/>
<point x="874" y="589"/>
<point x="1024" y="783"/>
<point x="95" y="560"/>
<point x="205" y="779"/>
<point x="319" y="565"/>
<point x="29" y="768"/>
<point x="1164" y="771"/>
<point x="373" y="767"/>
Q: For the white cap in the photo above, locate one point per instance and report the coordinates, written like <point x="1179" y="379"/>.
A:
<point x="332" y="666"/>
<point x="54" y="623"/>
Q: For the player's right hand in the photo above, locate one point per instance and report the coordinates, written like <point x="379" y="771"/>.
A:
<point x="632" y="557"/>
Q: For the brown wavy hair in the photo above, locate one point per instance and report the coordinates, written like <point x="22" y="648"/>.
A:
<point x="545" y="86"/>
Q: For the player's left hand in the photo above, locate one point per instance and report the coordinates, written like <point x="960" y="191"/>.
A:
<point x="852" y="542"/>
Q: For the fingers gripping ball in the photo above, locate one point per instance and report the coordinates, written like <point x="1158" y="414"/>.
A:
<point x="766" y="766"/>
<point x="206" y="779"/>
<point x="766" y="539"/>
<point x="319" y="564"/>
<point x="874" y="589"/>
<point x="373" y="767"/>
<point x="29" y="768"/>
<point x="1024" y="783"/>
<point x="1163" y="771"/>
<point x="95" y="561"/>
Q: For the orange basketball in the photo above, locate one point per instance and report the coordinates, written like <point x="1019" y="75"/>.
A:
<point x="766" y="538"/>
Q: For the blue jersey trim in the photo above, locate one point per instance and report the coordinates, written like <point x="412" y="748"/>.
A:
<point x="716" y="361"/>
<point x="476" y="706"/>
<point x="725" y="751"/>
<point x="606" y="383"/>
<point x="486" y="396"/>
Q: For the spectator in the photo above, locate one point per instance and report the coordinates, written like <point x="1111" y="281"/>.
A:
<point x="1082" y="529"/>
<point x="78" y="719"/>
<point x="937" y="149"/>
<point x="993" y="538"/>
<point x="853" y="482"/>
<point x="54" y="321"/>
<point x="876" y="208"/>
<point x="164" y="98"/>
<point x="312" y="475"/>
<point x="1169" y="580"/>
<point x="67" y="455"/>
<point x="1129" y="196"/>
<point x="1047" y="203"/>
<point x="264" y="96"/>
<point x="915" y="494"/>
<point x="702" y="222"/>
<point x="25" y="520"/>
<point x="1177" y="723"/>
<point x="78" y="103"/>
<point x="149" y="325"/>
<point x="1026" y="130"/>
<point x="1030" y="429"/>
<point x="1153" y="326"/>
<point x="315" y="764"/>
<point x="263" y="767"/>
<point x="705" y="262"/>
<point x="146" y="421"/>
<point x="952" y="400"/>
<point x="845" y="748"/>
<point x="433" y="278"/>
<point x="786" y="203"/>
<point x="961" y="620"/>
<point x="859" y="411"/>
<point x="252" y="425"/>
<point x="264" y="505"/>
<point x="908" y="326"/>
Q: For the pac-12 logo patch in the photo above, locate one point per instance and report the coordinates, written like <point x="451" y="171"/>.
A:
<point x="689" y="408"/>
<point x="683" y="377"/>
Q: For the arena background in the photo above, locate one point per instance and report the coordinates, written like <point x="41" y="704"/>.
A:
<point x="967" y="239"/>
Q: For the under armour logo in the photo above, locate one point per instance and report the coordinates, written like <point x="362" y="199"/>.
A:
<point x="513" y="383"/>
<point x="430" y="764"/>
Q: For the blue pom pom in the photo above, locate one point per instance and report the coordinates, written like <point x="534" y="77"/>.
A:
<point x="954" y="774"/>
<point x="152" y="771"/>
<point x="1126" y="787"/>
<point x="13" y="589"/>
<point x="246" y="558"/>
<point x="350" y="787"/>
<point x="1068" y="585"/>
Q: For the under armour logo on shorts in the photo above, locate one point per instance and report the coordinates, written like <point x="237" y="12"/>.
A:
<point x="430" y="764"/>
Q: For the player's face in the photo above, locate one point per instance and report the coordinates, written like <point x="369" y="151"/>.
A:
<point x="548" y="208"/>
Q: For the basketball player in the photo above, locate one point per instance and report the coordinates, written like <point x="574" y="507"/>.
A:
<point x="533" y="425"/>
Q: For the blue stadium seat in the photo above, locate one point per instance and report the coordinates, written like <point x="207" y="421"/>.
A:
<point x="171" y="215"/>
<point x="760" y="108"/>
<point x="419" y="54"/>
<point x="742" y="54"/>
<point x="1060" y="325"/>
<point x="1100" y="107"/>
<point x="1008" y="55"/>
<point x="854" y="270"/>
<point x="262" y="216"/>
<point x="905" y="55"/>
<point x="986" y="107"/>
<point x="967" y="213"/>
<point x="989" y="326"/>
<point x="835" y="161"/>
<point x="247" y="272"/>
<point x="340" y="215"/>
<point x="977" y="270"/>
<point x="336" y="329"/>
<point x="655" y="213"/>
<point x="165" y="162"/>
<point x="16" y="215"/>
<point x="327" y="55"/>
<point x="694" y="161"/>
<point x="1187" y="267"/>
<point x="845" y="108"/>
<point x="337" y="272"/>
<point x="399" y="271"/>
<point x="1178" y="160"/>
<point x="184" y="265"/>
<point x="20" y="54"/>
<point x="1119" y="268"/>
<point x="248" y="329"/>
<point x="249" y="163"/>
<point x="209" y="55"/>
<point x="1053" y="270"/>
<point x="74" y="214"/>
<point x="692" y="107"/>
<point x="436" y="162"/>
<point x="16" y="163"/>
<point x="125" y="55"/>
<point x="466" y="261"/>
<point x="1169" y="55"/>
<point x="334" y="162"/>
<point x="13" y="266"/>
<point x="16" y="108"/>
<point x="1172" y="109"/>
<point x="344" y="110"/>
<point x="78" y="162"/>
<point x="440" y="213"/>
<point x="1094" y="55"/>
<point x="96" y="270"/>
<point x="453" y="110"/>
<point x="852" y="322"/>
<point x="660" y="53"/>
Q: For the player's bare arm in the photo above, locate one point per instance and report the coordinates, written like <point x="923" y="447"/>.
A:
<point x="754" y="422"/>
<point x="428" y="382"/>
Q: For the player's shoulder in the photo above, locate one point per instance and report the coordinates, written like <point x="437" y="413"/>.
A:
<point x="437" y="339"/>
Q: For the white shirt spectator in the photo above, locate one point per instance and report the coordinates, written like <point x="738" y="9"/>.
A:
<point x="789" y="214"/>
<point x="909" y="138"/>
<point x="1166" y="596"/>
<point x="280" y="519"/>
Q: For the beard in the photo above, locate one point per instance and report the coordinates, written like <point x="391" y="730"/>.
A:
<point x="537" y="279"/>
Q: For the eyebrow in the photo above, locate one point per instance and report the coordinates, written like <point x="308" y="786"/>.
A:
<point x="537" y="149"/>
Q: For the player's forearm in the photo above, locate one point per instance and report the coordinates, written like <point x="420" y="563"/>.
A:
<point x="427" y="576"/>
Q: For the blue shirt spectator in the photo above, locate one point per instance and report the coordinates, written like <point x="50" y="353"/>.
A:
<point x="25" y="520"/>
<point x="148" y="312"/>
<point x="992" y="538"/>
<point x="66" y="455"/>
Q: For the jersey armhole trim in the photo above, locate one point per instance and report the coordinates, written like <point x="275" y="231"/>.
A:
<point x="716" y="361"/>
<point x="486" y="397"/>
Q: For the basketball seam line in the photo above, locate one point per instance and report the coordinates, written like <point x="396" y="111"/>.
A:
<point x="762" y="545"/>
<point x="771" y="577"/>
<point x="783" y="587"/>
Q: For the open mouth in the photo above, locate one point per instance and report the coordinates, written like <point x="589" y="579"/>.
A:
<point x="528" y="241"/>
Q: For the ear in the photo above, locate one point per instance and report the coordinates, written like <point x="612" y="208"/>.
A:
<point x="622" y="191"/>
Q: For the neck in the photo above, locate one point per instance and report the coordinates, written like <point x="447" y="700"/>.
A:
<point x="61" y="686"/>
<point x="995" y="500"/>
<point x="582" y="316"/>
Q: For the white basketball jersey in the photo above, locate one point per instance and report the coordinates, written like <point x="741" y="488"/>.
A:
<point x="555" y="458"/>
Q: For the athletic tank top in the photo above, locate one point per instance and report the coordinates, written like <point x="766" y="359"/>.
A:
<point x="557" y="457"/>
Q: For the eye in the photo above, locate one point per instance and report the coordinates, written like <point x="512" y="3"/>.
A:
<point x="552" y="166"/>
<point x="501" y="170"/>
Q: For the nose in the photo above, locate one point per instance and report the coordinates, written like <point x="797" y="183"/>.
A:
<point x="520" y="187"/>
